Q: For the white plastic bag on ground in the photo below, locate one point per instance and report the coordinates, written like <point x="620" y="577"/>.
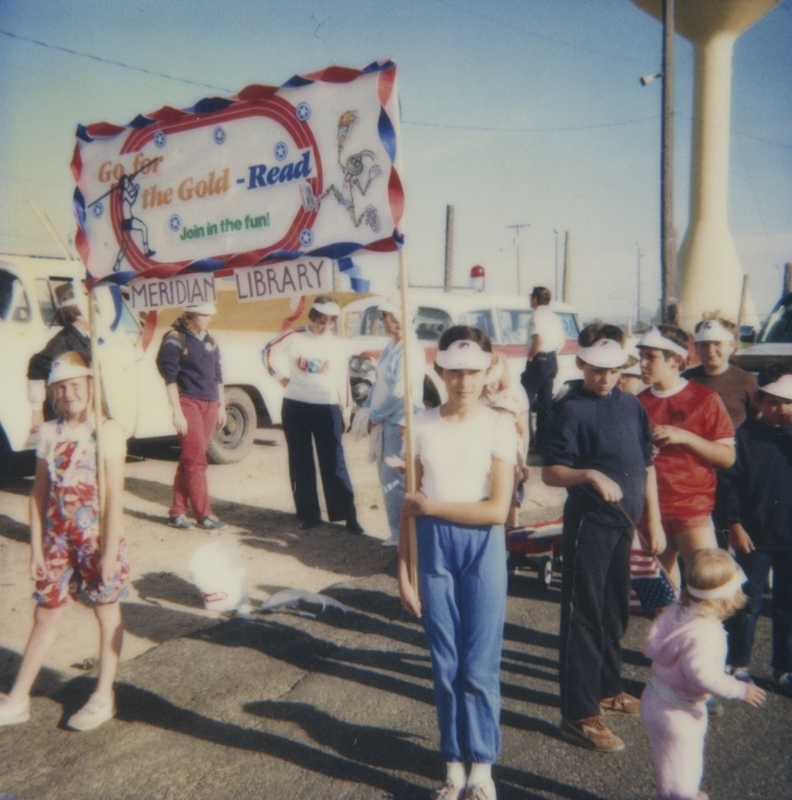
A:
<point x="217" y="570"/>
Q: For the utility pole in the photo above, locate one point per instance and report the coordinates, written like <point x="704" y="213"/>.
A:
<point x="517" y="244"/>
<point x="556" y="263"/>
<point x="448" y="279"/>
<point x="788" y="277"/>
<point x="567" y="270"/>
<point x="638" y="300"/>
<point x="668" y="234"/>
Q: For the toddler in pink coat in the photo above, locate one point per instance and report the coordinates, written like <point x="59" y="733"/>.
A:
<point x="687" y="645"/>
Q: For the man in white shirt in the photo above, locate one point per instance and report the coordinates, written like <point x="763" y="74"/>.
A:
<point x="545" y="338"/>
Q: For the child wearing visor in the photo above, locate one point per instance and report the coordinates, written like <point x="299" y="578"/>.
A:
<point x="464" y="463"/>
<point x="600" y="449"/>
<point x="693" y="434"/>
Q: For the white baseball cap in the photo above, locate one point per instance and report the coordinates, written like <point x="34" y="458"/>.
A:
<point x="463" y="354"/>
<point x="66" y="367"/>
<point x="654" y="339"/>
<point x="713" y="330"/>
<point x="604" y="353"/>
<point x="209" y="309"/>
<point x="779" y="388"/>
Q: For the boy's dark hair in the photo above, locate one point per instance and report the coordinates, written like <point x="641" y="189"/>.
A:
<point x="313" y="314"/>
<point x="541" y="295"/>
<point x="457" y="333"/>
<point x="599" y="330"/>
<point x="678" y="336"/>
<point x="771" y="375"/>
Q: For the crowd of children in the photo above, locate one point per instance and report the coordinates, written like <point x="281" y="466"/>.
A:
<point x="656" y="451"/>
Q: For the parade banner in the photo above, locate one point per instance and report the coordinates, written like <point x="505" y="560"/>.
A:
<point x="305" y="171"/>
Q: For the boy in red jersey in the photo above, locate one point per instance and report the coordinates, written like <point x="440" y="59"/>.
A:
<point x="693" y="434"/>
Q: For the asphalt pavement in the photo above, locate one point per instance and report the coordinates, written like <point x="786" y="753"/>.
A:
<point x="339" y="705"/>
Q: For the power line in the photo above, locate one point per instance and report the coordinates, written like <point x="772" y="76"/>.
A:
<point x="110" y="61"/>
<point x="529" y="130"/>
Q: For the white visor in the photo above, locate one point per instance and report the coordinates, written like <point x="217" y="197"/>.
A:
<point x="64" y="371"/>
<point x="654" y="339"/>
<point x="713" y="330"/>
<point x="463" y="354"/>
<point x="330" y="309"/>
<point x="780" y="388"/>
<point x="720" y="592"/>
<point x="209" y="309"/>
<point x="604" y="353"/>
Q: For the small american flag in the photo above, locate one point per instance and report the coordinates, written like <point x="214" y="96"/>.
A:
<point x="650" y="588"/>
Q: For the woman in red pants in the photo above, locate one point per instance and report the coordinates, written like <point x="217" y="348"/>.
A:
<point x="189" y="361"/>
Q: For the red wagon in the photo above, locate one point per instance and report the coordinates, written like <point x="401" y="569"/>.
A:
<point x="536" y="546"/>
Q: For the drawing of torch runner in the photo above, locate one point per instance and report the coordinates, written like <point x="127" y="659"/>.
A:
<point x="352" y="169"/>
<point x="130" y="223"/>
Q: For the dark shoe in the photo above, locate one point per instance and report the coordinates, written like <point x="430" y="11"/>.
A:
<point x="353" y="526"/>
<point x="592" y="733"/>
<point x="307" y="524"/>
<point x="714" y="707"/>
<point x="179" y="521"/>
<point x="783" y="680"/>
<point x="622" y="703"/>
<point x="210" y="523"/>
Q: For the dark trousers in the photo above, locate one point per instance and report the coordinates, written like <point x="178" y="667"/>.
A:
<point x="742" y="625"/>
<point x="538" y="382"/>
<point x="304" y="424"/>
<point x="595" y="604"/>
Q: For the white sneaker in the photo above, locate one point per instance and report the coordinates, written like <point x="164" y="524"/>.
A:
<point x="95" y="712"/>
<point x="13" y="713"/>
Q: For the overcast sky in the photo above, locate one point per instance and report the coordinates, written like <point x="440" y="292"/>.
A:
<point x="515" y="112"/>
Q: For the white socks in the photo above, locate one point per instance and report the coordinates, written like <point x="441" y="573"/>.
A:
<point x="455" y="773"/>
<point x="480" y="774"/>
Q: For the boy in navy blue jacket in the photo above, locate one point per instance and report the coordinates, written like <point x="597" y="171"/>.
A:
<point x="759" y="516"/>
<point x="600" y="448"/>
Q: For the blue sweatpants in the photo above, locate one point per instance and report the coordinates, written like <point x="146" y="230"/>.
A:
<point x="391" y="479"/>
<point x="462" y="580"/>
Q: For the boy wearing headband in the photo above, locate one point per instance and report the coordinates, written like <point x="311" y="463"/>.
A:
<point x="759" y="516"/>
<point x="687" y="645"/>
<point x="715" y="341"/>
<point x="693" y="434"/>
<point x="600" y="448"/>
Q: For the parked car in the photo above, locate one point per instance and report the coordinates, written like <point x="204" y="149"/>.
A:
<point x="773" y="344"/>
<point x="503" y="317"/>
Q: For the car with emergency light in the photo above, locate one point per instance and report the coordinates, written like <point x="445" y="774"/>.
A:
<point x="503" y="317"/>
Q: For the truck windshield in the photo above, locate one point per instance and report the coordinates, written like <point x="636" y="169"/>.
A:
<point x="778" y="327"/>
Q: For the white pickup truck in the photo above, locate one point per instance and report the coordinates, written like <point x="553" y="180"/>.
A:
<point x="128" y="348"/>
<point x="503" y="317"/>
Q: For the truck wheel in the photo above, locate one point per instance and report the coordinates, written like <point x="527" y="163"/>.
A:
<point x="232" y="443"/>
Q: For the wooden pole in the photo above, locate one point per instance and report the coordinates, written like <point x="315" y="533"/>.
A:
<point x="409" y="471"/>
<point x="448" y="277"/>
<point x="97" y="411"/>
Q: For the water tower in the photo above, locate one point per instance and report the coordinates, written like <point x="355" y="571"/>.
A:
<point x="710" y="275"/>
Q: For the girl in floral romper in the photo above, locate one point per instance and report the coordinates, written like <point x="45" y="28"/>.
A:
<point x="69" y="552"/>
